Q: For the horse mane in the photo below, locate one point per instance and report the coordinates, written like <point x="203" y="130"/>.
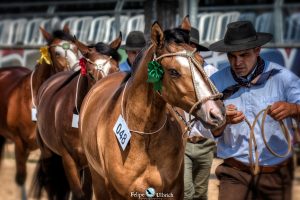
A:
<point x="176" y="35"/>
<point x="105" y="49"/>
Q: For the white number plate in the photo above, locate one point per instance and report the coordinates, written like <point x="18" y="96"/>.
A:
<point x="33" y="114"/>
<point x="75" y="121"/>
<point x="122" y="132"/>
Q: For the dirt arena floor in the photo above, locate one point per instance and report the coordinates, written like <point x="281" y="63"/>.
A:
<point x="10" y="191"/>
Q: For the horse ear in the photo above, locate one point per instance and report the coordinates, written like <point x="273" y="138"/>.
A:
<point x="186" y="25"/>
<point x="157" y="35"/>
<point x="46" y="35"/>
<point x="117" y="42"/>
<point x="82" y="47"/>
<point x="66" y="29"/>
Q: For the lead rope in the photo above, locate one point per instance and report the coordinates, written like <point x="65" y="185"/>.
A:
<point x="31" y="89"/>
<point x="254" y="165"/>
<point x="139" y="132"/>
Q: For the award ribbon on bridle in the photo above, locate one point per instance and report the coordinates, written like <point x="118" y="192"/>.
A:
<point x="45" y="56"/>
<point x="155" y="74"/>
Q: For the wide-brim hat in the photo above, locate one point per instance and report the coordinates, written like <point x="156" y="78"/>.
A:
<point x="239" y="36"/>
<point x="135" y="41"/>
<point x="194" y="38"/>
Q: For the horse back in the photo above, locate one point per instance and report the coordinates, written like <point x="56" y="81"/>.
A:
<point x="12" y="82"/>
<point x="55" y="103"/>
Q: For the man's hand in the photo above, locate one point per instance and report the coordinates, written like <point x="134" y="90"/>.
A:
<point x="281" y="110"/>
<point x="233" y="116"/>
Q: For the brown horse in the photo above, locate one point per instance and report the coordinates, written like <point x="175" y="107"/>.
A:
<point x="57" y="100"/>
<point x="152" y="160"/>
<point x="19" y="86"/>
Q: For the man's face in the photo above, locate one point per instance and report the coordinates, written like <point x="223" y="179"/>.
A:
<point x="242" y="62"/>
<point x="131" y="55"/>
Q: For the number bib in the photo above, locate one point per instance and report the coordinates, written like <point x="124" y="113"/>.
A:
<point x="75" y="121"/>
<point x="33" y="114"/>
<point x="122" y="132"/>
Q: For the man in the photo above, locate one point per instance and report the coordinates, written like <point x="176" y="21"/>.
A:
<point x="135" y="42"/>
<point x="249" y="85"/>
<point x="199" y="151"/>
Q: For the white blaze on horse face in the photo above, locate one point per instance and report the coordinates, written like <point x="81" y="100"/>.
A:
<point x="203" y="86"/>
<point x="103" y="65"/>
<point x="70" y="54"/>
<point x="204" y="90"/>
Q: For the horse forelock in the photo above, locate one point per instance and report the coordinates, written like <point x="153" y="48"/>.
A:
<point x="105" y="49"/>
<point x="59" y="34"/>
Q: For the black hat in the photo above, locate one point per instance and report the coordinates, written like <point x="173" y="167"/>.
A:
<point x="194" y="38"/>
<point x="135" y="41"/>
<point x="240" y="35"/>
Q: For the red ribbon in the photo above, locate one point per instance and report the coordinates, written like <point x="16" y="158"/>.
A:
<point x="82" y="63"/>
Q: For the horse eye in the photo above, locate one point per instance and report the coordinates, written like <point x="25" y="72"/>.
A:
<point x="174" y="73"/>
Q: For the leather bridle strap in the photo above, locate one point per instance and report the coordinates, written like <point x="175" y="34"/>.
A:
<point x="194" y="64"/>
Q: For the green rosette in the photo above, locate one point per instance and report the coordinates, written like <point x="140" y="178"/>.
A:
<point x="155" y="74"/>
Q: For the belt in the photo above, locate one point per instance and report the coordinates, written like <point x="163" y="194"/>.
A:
<point x="195" y="139"/>
<point x="246" y="168"/>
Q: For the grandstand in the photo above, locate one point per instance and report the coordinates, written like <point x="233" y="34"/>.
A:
<point x="101" y="20"/>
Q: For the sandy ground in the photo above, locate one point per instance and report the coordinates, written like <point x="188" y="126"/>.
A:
<point x="10" y="191"/>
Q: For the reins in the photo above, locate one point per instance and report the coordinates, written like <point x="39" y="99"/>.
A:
<point x="255" y="164"/>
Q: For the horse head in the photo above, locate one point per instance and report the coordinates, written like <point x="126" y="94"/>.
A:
<point x="100" y="59"/>
<point x="61" y="50"/>
<point x="176" y="72"/>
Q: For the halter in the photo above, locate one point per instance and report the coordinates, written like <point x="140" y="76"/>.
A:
<point x="66" y="46"/>
<point x="192" y="63"/>
<point x="99" y="67"/>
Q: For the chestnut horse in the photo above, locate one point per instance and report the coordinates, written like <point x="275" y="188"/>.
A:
<point x="19" y="86"/>
<point x="58" y="98"/>
<point x="133" y="144"/>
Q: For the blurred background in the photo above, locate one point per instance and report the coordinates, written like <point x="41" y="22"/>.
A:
<point x="100" y="20"/>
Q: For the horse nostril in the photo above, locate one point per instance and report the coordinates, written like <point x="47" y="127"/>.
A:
<point x="215" y="116"/>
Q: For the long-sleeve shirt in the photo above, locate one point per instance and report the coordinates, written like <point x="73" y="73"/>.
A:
<point x="234" y="142"/>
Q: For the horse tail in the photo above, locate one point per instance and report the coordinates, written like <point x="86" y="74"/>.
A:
<point x="50" y="175"/>
<point x="2" y="144"/>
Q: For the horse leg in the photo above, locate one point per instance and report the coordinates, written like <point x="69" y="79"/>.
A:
<point x="21" y="154"/>
<point x="86" y="182"/>
<point x="99" y="188"/>
<point x="73" y="176"/>
<point x="2" y="144"/>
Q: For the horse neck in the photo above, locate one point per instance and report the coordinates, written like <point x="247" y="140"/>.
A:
<point x="40" y="74"/>
<point x="141" y="103"/>
<point x="83" y="85"/>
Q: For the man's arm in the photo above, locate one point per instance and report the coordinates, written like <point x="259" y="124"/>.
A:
<point x="281" y="110"/>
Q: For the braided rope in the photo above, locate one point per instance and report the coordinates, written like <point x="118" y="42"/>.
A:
<point x="255" y="164"/>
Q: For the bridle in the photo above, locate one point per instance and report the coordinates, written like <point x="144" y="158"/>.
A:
<point x="66" y="46"/>
<point x="99" y="67"/>
<point x="194" y="65"/>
